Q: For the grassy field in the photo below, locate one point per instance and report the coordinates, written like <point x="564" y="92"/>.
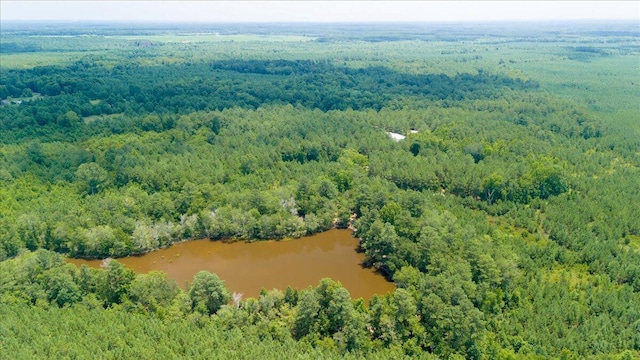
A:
<point x="197" y="38"/>
<point x="31" y="60"/>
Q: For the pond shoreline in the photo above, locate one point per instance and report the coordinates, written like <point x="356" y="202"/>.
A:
<point x="248" y="267"/>
<point x="223" y="240"/>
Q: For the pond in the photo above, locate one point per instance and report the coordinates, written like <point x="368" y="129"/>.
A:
<point x="248" y="267"/>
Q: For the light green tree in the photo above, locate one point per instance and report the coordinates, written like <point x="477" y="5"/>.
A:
<point x="92" y="177"/>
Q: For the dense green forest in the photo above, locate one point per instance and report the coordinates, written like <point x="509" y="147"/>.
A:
<point x="508" y="217"/>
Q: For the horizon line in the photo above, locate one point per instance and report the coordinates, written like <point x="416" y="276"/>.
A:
<point x="147" y="21"/>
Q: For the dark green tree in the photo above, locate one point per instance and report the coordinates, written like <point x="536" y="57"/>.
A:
<point x="208" y="293"/>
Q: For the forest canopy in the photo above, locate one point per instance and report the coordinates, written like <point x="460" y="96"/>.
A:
<point x="506" y="216"/>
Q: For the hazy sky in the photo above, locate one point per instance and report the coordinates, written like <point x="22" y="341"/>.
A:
<point x="317" y="11"/>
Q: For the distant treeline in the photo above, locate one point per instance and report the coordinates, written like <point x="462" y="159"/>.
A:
<point x="250" y="83"/>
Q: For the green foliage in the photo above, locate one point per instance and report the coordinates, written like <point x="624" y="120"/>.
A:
<point x="207" y="293"/>
<point x="93" y="176"/>
<point x="507" y="217"/>
<point x="153" y="292"/>
<point x="114" y="283"/>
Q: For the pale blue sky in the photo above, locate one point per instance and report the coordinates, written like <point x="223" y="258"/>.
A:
<point x="317" y="11"/>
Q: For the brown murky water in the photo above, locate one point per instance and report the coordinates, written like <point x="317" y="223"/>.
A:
<point x="248" y="267"/>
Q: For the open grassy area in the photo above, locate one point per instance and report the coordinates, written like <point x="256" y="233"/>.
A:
<point x="31" y="60"/>
<point x="197" y="38"/>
